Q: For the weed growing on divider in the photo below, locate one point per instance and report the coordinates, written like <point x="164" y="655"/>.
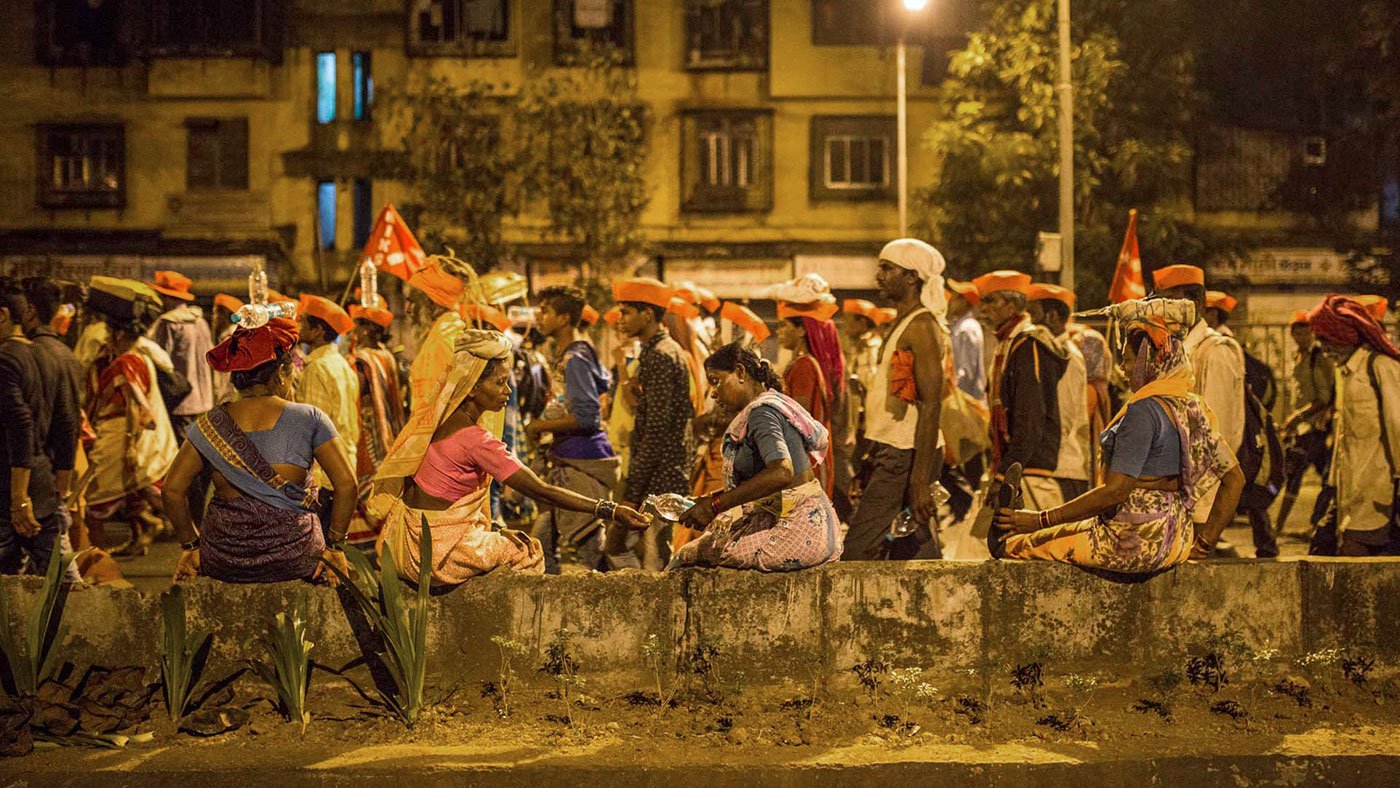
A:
<point x="31" y="663"/>
<point x="288" y="668"/>
<point x="400" y="622"/>
<point x="868" y="673"/>
<point x="1164" y="686"/>
<point x="502" y="689"/>
<point x="183" y="653"/>
<point x="563" y="666"/>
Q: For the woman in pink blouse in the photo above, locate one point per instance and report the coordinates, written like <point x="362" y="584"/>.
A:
<point x="440" y="470"/>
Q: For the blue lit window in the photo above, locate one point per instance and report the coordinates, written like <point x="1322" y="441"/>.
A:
<point x="325" y="87"/>
<point x="363" y="81"/>
<point x="325" y="210"/>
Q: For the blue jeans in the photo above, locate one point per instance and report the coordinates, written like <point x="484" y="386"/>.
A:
<point x="39" y="547"/>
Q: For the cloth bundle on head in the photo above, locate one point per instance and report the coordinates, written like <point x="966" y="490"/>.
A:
<point x="1048" y="292"/>
<point x="928" y="263"/>
<point x="325" y="309"/>
<point x="1177" y="276"/>
<point x="808" y="295"/>
<point x="643" y="290"/>
<point x="1216" y="299"/>
<point x="250" y="348"/>
<point x="380" y="317"/>
<point x="1343" y="321"/>
<point x="502" y="287"/>
<point x="745" y="318"/>
<point x="1165" y="322"/>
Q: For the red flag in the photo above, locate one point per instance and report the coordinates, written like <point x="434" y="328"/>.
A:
<point x="1127" y="277"/>
<point x="392" y="246"/>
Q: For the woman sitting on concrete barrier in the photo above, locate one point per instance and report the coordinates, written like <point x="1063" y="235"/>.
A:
<point x="773" y="515"/>
<point x="1161" y="454"/>
<point x="441" y="467"/>
<point x="260" y="526"/>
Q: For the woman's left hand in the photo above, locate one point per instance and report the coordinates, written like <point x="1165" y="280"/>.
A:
<point x="699" y="516"/>
<point x="335" y="558"/>
<point x="1021" y="521"/>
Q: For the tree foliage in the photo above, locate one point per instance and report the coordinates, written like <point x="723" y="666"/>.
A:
<point x="996" y="144"/>
<point x="570" y="143"/>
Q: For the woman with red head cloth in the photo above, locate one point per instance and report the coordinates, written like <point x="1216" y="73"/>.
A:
<point x="816" y="377"/>
<point x="261" y="525"/>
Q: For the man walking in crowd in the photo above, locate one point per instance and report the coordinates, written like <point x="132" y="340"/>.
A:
<point x="860" y="344"/>
<point x="28" y="494"/>
<point x="1050" y="307"/>
<point x="1309" y="426"/>
<point x="902" y="406"/>
<point x="1024" y="390"/>
<point x="969" y="353"/>
<point x="184" y="336"/>
<point x="62" y="379"/>
<point x="381" y="406"/>
<point x="1367" y="430"/>
<point x="328" y="381"/>
<point x="1218" y="362"/>
<point x="580" y="456"/>
<point x="662" y="413"/>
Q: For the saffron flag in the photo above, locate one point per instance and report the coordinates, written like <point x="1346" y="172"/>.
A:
<point x="392" y="247"/>
<point x="1127" y="277"/>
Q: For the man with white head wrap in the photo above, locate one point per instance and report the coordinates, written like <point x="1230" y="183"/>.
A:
<point x="902" y="409"/>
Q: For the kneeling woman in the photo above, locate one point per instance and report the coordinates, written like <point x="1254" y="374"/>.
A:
<point x="1162" y="455"/>
<point x="441" y="467"/>
<point x="260" y="526"/>
<point x="773" y="515"/>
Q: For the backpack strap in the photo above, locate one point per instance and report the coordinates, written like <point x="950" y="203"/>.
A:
<point x="1380" y="410"/>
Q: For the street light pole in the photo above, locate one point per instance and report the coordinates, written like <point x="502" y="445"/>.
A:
<point x="902" y="122"/>
<point x="1065" y="90"/>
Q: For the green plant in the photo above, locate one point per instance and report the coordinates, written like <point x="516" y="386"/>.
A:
<point x="700" y="663"/>
<point x="561" y="664"/>
<point x="500" y="690"/>
<point x="910" y="687"/>
<point x="868" y="673"/>
<point x="183" y="653"/>
<point x="400" y="622"/>
<point x="655" y="655"/>
<point x="288" y="668"/>
<point x="1357" y="669"/>
<point x="31" y="663"/>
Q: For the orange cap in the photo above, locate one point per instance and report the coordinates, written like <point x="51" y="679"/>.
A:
<point x="965" y="289"/>
<point x="173" y="284"/>
<point x="1000" y="281"/>
<point x="857" y="306"/>
<point x="482" y="313"/>
<point x="590" y="315"/>
<point x="744" y="318"/>
<point x="1049" y="292"/>
<point x="883" y="315"/>
<point x="379" y="302"/>
<point x="1299" y="316"/>
<point x="228" y="302"/>
<point x="329" y="311"/>
<point x="1178" y="275"/>
<point x="375" y="315"/>
<point x="1374" y="304"/>
<point x="1219" y="300"/>
<point x="817" y="310"/>
<point x="274" y="297"/>
<point x="612" y="315"/>
<point x="683" y="308"/>
<point x="644" y="291"/>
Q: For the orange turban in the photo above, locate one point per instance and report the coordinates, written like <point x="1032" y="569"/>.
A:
<point x="1344" y="321"/>
<point x="817" y="310"/>
<point x="227" y="302"/>
<point x="375" y="315"/>
<point x="643" y="291"/>
<point x="882" y="316"/>
<point x="1045" y="292"/>
<point x="965" y="289"/>
<point x="481" y="313"/>
<point x="1001" y="281"/>
<point x="744" y="318"/>
<point x="590" y="315"/>
<point x="329" y="311"/>
<point x="1178" y="275"/>
<point x="1219" y="300"/>
<point x="1375" y="305"/>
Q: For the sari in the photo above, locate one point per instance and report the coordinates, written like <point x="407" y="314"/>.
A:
<point x="804" y="378"/>
<point x="466" y="542"/>
<point x="381" y="419"/>
<point x="794" y="528"/>
<point x="134" y="445"/>
<point x="269" y="533"/>
<point x="1152" y="530"/>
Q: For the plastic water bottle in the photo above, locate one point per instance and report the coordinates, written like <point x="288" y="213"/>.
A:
<point x="369" y="283"/>
<point x="255" y="315"/>
<point x="257" y="287"/>
<point x="906" y="523"/>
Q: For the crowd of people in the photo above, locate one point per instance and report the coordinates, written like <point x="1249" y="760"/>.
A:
<point x="530" y="432"/>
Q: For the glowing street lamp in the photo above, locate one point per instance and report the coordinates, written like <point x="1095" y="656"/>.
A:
<point x="902" y="122"/>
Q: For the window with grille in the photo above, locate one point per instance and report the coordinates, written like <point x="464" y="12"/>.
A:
<point x="728" y="165"/>
<point x="581" y="26"/>
<point x="215" y="28"/>
<point x="80" y="33"/>
<point x="217" y="153"/>
<point x="853" y="157"/>
<point x="727" y="34"/>
<point x="461" y="27"/>
<point x="82" y="166"/>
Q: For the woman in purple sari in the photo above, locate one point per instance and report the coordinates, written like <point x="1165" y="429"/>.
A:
<point x="260" y="525"/>
<point x="773" y="514"/>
